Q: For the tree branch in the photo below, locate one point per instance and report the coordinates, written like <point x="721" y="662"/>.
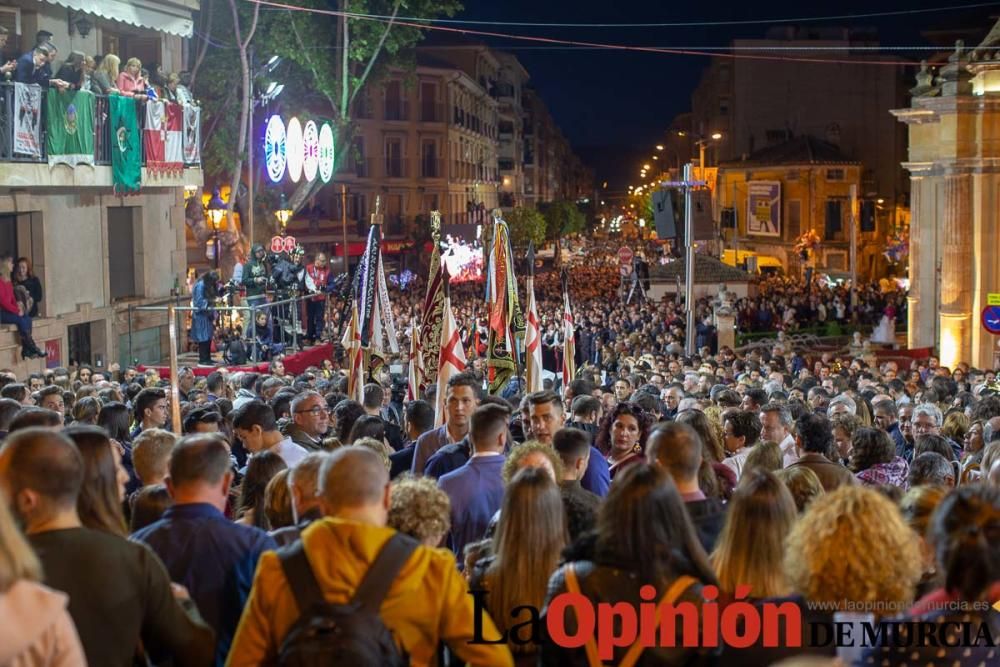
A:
<point x="309" y="62"/>
<point x="206" y="37"/>
<point x="378" y="49"/>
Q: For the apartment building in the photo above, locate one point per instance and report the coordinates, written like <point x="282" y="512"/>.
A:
<point x="97" y="253"/>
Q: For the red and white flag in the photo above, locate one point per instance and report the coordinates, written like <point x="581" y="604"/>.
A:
<point x="569" y="343"/>
<point x="452" y="360"/>
<point x="416" y="373"/>
<point x="163" y="137"/>
<point x="355" y="357"/>
<point x="532" y="343"/>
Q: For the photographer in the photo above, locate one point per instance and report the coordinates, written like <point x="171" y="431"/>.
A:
<point x="317" y="282"/>
<point x="203" y="320"/>
<point x="255" y="275"/>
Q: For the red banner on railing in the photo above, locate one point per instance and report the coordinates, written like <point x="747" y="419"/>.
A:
<point x="163" y="137"/>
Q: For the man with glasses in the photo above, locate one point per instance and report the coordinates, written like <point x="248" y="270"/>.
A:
<point x="311" y="421"/>
<point x="927" y="420"/>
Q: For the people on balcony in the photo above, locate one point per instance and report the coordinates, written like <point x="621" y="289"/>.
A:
<point x="104" y="81"/>
<point x="7" y="68"/>
<point x="130" y="81"/>
<point x="25" y="277"/>
<point x="72" y="69"/>
<point x="13" y="313"/>
<point x="33" y="67"/>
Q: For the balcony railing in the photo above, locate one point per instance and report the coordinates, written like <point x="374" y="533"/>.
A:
<point x="359" y="167"/>
<point x="431" y="168"/>
<point x="397" y="110"/>
<point x="431" y="112"/>
<point x="396" y="167"/>
<point x="102" y="130"/>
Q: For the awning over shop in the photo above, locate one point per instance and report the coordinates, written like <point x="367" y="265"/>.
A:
<point x="163" y="16"/>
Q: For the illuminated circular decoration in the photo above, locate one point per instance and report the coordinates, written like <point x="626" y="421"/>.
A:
<point x="326" y="152"/>
<point x="310" y="151"/>
<point x="274" y="148"/>
<point x="293" y="151"/>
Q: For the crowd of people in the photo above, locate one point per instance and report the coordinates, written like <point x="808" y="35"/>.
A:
<point x="100" y="74"/>
<point x="813" y="478"/>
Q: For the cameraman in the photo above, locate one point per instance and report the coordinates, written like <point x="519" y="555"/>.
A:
<point x="203" y="319"/>
<point x="317" y="282"/>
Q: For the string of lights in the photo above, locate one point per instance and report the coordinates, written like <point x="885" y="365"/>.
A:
<point x="680" y="24"/>
<point x="892" y="62"/>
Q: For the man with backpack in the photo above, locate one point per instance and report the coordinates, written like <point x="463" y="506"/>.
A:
<point x="355" y="592"/>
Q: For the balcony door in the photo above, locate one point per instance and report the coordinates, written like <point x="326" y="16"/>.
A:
<point x="394" y="166"/>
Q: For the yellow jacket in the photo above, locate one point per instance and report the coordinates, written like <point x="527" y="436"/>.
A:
<point x="428" y="603"/>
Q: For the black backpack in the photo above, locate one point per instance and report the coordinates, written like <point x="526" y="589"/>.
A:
<point x="236" y="353"/>
<point x="348" y="635"/>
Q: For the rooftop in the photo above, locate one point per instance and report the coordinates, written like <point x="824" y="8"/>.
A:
<point x="798" y="150"/>
<point x="707" y="269"/>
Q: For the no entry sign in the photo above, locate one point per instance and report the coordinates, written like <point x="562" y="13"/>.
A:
<point x="625" y="255"/>
<point x="991" y="319"/>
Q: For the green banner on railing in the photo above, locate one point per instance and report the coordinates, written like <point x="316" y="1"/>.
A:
<point x="126" y="142"/>
<point x="69" y="133"/>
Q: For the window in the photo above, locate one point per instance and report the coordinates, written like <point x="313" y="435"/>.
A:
<point x="10" y="18"/>
<point x="794" y="219"/>
<point x="723" y="106"/>
<point x="8" y="235"/>
<point x="867" y="215"/>
<point x="360" y="163"/>
<point x="834" y="174"/>
<point x="395" y="105"/>
<point x="394" y="214"/>
<point x="123" y="272"/>
<point x="395" y="166"/>
<point x="431" y="202"/>
<point x="834" y="224"/>
<point x="430" y="166"/>
<point x="429" y="108"/>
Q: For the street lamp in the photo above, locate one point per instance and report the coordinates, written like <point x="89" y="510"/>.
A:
<point x="283" y="213"/>
<point x="216" y="211"/>
<point x="717" y="135"/>
<point x="659" y="147"/>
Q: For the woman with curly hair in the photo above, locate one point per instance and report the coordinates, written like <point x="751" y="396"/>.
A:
<point x="853" y="550"/>
<point x="420" y="509"/>
<point x="874" y="461"/>
<point x="622" y="436"/>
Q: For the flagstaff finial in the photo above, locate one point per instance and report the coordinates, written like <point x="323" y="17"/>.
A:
<point x="377" y="213"/>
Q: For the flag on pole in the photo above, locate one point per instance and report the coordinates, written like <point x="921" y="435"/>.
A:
<point x="569" y="336"/>
<point x="352" y="344"/>
<point x="452" y="360"/>
<point x="375" y="312"/>
<point x="433" y="313"/>
<point x="533" y="333"/>
<point x="416" y="372"/>
<point x="505" y="319"/>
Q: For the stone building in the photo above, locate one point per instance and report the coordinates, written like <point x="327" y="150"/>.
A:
<point x="954" y="128"/>
<point x="95" y="252"/>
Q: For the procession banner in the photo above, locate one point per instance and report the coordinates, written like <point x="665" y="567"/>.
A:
<point x="28" y="119"/>
<point x="163" y="137"/>
<point x="192" y="134"/>
<point x="70" y="127"/>
<point x="126" y="156"/>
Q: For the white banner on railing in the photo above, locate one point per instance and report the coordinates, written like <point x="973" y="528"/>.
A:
<point x="28" y="119"/>
<point x="192" y="134"/>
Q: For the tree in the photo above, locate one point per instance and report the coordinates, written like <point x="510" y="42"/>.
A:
<point x="563" y="218"/>
<point x="526" y="225"/>
<point x="320" y="81"/>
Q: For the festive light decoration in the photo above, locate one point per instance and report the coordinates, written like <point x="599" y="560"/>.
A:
<point x="326" y="153"/>
<point x="275" y="144"/>
<point x="293" y="152"/>
<point x="310" y="151"/>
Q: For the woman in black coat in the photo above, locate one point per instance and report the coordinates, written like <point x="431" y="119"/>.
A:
<point x="26" y="278"/>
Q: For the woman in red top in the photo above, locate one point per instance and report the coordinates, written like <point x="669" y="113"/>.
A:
<point x="11" y="311"/>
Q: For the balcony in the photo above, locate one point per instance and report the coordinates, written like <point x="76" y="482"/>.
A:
<point x="397" y="110"/>
<point x="397" y="167"/>
<point x="359" y="167"/>
<point x="27" y="170"/>
<point x="431" y="167"/>
<point x="431" y="112"/>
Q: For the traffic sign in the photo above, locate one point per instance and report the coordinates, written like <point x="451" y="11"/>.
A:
<point x="281" y="244"/>
<point x="991" y="319"/>
<point x="625" y="255"/>
<point x="993" y="299"/>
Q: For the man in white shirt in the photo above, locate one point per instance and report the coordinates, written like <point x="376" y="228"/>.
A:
<point x="254" y="423"/>
<point x="776" y="426"/>
<point x="740" y="432"/>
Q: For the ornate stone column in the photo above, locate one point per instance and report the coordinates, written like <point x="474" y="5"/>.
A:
<point x="915" y="303"/>
<point x="956" y="271"/>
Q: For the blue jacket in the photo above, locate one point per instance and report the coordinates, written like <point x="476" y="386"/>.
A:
<point x="26" y="72"/>
<point x="597" y="476"/>
<point x="201" y="321"/>
<point x="476" y="493"/>
<point x="448" y="459"/>
<point x="214" y="558"/>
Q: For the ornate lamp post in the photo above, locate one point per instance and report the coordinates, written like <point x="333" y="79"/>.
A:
<point x="216" y="212"/>
<point x="283" y="213"/>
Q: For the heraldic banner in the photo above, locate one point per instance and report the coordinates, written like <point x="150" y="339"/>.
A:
<point x="70" y="127"/>
<point x="162" y="137"/>
<point x="126" y="156"/>
<point x="192" y="134"/>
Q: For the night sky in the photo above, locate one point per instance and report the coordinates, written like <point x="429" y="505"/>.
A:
<point x="612" y="104"/>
